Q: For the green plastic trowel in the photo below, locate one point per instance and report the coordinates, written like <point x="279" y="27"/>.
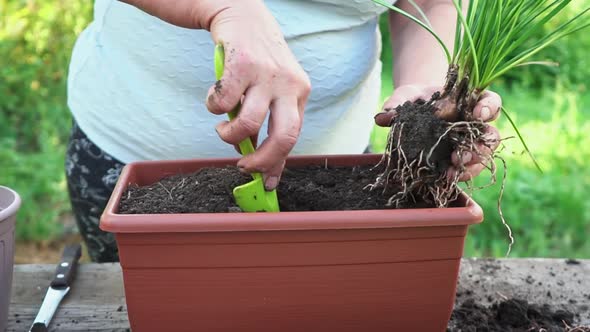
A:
<point x="252" y="196"/>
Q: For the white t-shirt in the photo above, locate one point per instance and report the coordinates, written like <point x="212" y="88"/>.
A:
<point x="137" y="85"/>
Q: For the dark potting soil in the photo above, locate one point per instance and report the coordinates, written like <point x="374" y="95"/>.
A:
<point x="421" y="131"/>
<point x="313" y="188"/>
<point x="511" y="315"/>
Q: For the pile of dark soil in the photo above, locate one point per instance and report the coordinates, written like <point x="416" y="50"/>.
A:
<point x="313" y="188"/>
<point x="511" y="315"/>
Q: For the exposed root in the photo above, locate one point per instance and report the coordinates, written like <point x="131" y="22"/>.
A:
<point x="168" y="191"/>
<point x="473" y="132"/>
<point x="179" y="185"/>
<point x="500" y="208"/>
<point x="576" y="328"/>
<point x="491" y="167"/>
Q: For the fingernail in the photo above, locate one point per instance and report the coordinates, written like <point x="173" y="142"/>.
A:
<point x="381" y="117"/>
<point x="466" y="157"/>
<point x="485" y="113"/>
<point x="271" y="182"/>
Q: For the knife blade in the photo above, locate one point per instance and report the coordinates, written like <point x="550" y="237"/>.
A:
<point x="59" y="287"/>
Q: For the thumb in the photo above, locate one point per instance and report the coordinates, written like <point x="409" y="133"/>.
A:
<point x="273" y="176"/>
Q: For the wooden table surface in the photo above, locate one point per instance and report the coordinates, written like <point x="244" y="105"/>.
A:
<point x="96" y="301"/>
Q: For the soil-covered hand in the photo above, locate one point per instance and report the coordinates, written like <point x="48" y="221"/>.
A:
<point x="487" y="109"/>
<point x="261" y="73"/>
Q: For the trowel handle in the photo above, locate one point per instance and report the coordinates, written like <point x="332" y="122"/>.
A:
<point x="246" y="146"/>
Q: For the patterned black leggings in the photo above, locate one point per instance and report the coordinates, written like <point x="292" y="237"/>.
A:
<point x="91" y="175"/>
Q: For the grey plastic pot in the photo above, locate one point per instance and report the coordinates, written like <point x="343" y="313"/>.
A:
<point x="9" y="205"/>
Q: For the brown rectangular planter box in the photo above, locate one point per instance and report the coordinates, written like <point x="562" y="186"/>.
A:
<point x="373" y="270"/>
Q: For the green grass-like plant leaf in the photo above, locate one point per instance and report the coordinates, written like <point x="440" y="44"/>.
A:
<point x="528" y="151"/>
<point x="487" y="36"/>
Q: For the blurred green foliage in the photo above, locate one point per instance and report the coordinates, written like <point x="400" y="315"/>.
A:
<point x="549" y="212"/>
<point x="36" y="38"/>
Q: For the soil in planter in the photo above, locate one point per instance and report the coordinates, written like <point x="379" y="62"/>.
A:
<point x="511" y="315"/>
<point x="312" y="188"/>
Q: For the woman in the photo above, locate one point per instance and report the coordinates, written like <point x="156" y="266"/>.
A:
<point x="141" y="81"/>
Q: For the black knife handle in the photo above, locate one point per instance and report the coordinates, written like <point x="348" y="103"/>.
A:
<point x="38" y="327"/>
<point x="66" y="269"/>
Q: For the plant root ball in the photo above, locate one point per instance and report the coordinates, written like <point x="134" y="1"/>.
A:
<point x="418" y="155"/>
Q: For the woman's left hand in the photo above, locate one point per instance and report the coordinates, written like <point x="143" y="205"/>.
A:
<point x="487" y="109"/>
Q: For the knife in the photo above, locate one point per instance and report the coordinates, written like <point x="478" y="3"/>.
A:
<point x="60" y="286"/>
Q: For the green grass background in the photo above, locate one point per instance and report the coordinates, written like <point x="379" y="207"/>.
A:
<point x="549" y="213"/>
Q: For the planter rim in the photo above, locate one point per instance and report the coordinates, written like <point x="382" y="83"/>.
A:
<point x="10" y="210"/>
<point x="111" y="221"/>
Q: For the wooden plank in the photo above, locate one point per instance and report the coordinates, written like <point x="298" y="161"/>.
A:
<point x="72" y="318"/>
<point x="97" y="301"/>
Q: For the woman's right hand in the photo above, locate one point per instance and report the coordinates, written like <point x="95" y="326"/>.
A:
<point x="262" y="73"/>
